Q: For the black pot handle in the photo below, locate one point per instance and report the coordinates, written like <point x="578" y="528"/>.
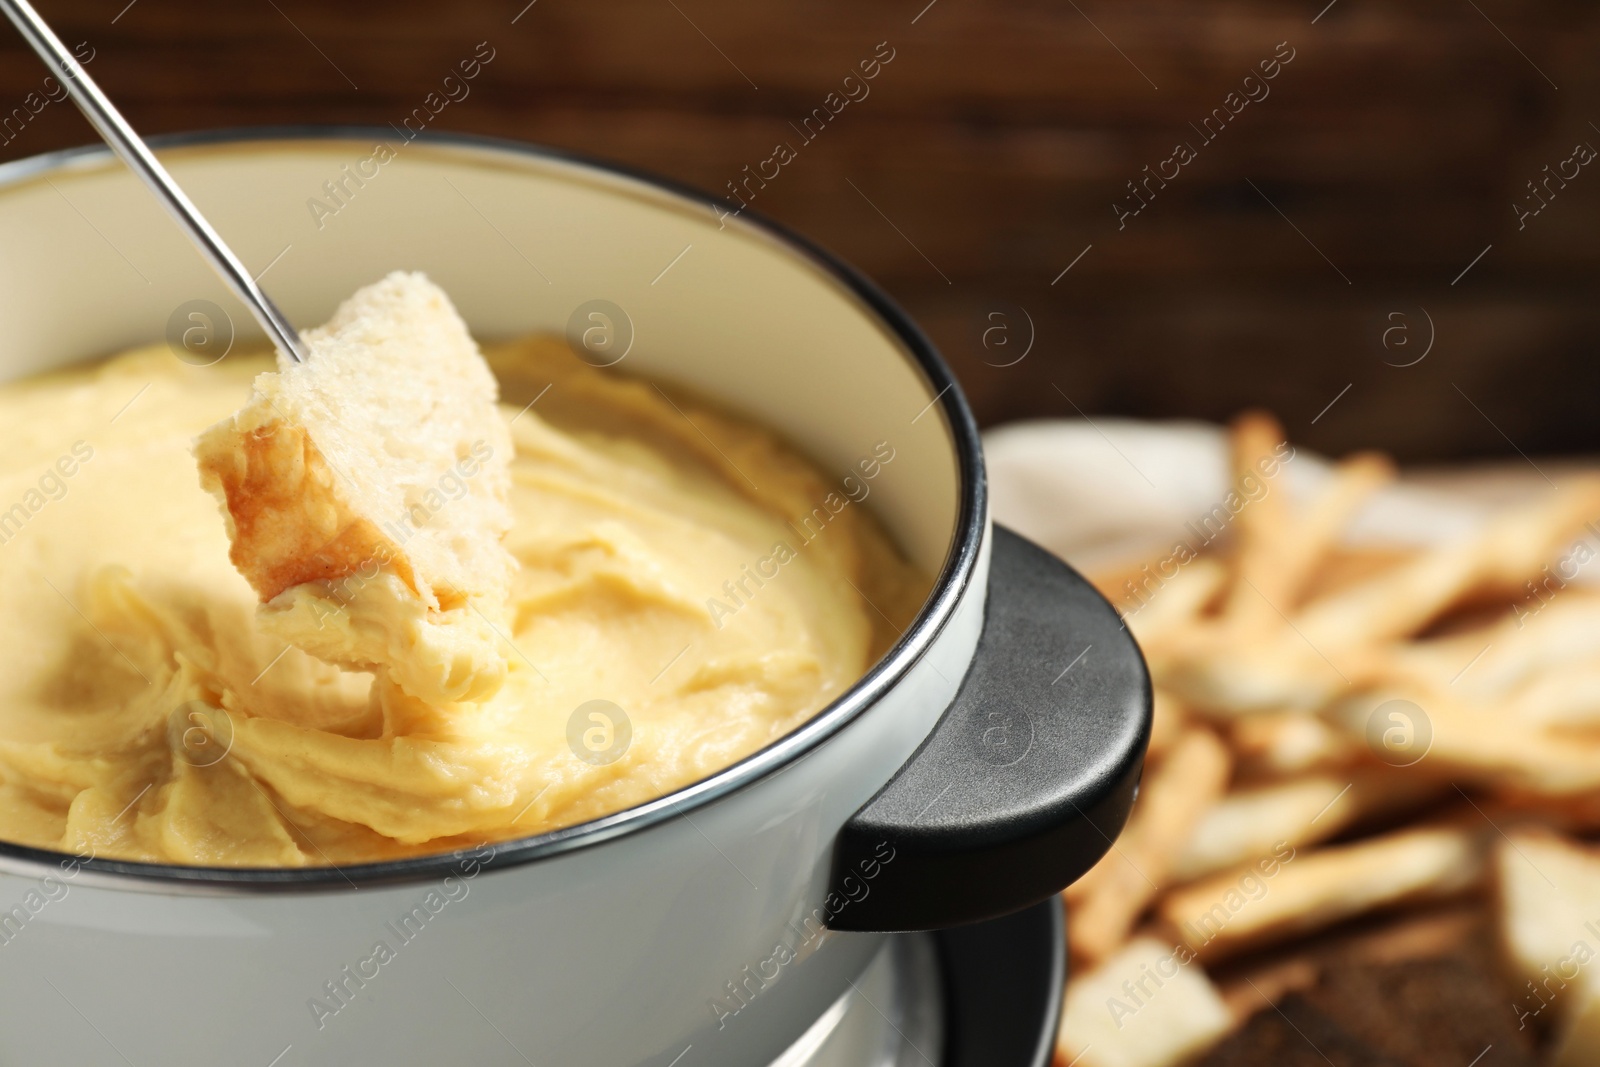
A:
<point x="1028" y="777"/>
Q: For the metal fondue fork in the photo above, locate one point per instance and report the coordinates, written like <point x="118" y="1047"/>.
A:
<point x="127" y="144"/>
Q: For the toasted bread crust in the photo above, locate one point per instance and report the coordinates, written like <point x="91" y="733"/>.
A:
<point x="287" y="524"/>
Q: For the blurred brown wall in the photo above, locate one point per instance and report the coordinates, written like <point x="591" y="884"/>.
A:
<point x="1381" y="159"/>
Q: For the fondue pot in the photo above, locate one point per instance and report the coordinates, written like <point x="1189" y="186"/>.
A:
<point x="759" y="916"/>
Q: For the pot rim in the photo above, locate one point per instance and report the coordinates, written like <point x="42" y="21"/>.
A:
<point x="948" y="589"/>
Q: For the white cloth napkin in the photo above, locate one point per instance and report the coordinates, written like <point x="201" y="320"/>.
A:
<point x="1103" y="492"/>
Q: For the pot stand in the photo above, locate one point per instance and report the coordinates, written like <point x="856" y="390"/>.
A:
<point x="985" y="995"/>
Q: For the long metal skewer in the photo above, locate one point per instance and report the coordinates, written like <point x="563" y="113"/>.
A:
<point x="127" y="144"/>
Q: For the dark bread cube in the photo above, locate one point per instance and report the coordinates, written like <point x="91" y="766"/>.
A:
<point x="1441" y="1012"/>
<point x="1294" y="1034"/>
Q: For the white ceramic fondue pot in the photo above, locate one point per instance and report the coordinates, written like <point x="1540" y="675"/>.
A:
<point x="986" y="761"/>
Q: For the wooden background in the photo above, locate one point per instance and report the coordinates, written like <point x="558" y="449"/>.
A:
<point x="988" y="155"/>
